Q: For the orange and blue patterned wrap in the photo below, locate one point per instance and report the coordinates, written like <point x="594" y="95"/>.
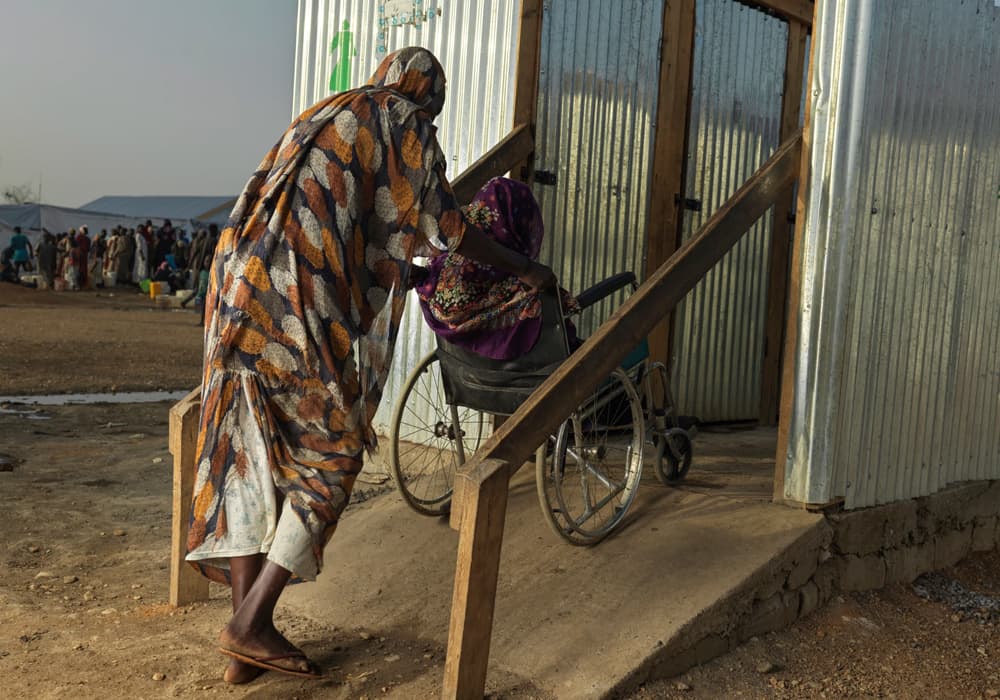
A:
<point x="314" y="261"/>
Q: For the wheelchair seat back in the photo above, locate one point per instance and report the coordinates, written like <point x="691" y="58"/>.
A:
<point x="500" y="386"/>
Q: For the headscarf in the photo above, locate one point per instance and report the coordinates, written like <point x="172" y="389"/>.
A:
<point x="409" y="82"/>
<point x="477" y="306"/>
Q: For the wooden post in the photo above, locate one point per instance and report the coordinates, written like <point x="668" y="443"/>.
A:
<point x="484" y="506"/>
<point x="781" y="234"/>
<point x="186" y="585"/>
<point x="794" y="302"/>
<point x="529" y="58"/>
<point x="800" y="11"/>
<point x="665" y="215"/>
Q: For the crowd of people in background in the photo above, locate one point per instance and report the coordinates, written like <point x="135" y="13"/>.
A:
<point x="76" y="260"/>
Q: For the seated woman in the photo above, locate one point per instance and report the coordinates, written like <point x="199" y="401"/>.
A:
<point x="481" y="308"/>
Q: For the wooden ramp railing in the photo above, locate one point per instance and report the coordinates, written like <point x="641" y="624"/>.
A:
<point x="480" y="498"/>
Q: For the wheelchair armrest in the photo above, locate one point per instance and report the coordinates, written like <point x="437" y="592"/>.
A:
<point x="604" y="288"/>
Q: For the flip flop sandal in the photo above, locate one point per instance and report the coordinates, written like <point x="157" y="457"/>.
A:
<point x="265" y="662"/>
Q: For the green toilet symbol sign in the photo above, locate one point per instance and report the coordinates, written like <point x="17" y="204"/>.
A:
<point x="343" y="50"/>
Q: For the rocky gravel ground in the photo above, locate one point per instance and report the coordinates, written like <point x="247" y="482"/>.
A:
<point x="936" y="639"/>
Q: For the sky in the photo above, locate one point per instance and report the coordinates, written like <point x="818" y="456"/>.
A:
<point x="141" y="97"/>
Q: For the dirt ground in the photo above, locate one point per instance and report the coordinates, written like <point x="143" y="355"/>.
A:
<point x="85" y="530"/>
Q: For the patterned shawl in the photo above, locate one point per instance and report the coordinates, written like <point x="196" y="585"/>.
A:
<point x="317" y="251"/>
<point x="477" y="306"/>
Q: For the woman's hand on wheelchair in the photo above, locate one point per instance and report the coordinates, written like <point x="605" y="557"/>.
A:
<point x="538" y="276"/>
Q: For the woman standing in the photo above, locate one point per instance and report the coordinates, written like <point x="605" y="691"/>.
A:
<point x="315" y="259"/>
<point x="140" y="264"/>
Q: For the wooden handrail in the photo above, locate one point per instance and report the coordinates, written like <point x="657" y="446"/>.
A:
<point x="514" y="148"/>
<point x="481" y="486"/>
<point x="793" y="10"/>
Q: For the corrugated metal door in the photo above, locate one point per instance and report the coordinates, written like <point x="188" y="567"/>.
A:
<point x="718" y="341"/>
<point x="596" y="110"/>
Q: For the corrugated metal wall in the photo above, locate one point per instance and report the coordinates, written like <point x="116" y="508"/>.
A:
<point x="897" y="386"/>
<point x="477" y="45"/>
<point x="718" y="343"/>
<point x="596" y="110"/>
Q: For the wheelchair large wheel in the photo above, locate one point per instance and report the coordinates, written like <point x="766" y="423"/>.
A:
<point x="588" y="486"/>
<point x="431" y="439"/>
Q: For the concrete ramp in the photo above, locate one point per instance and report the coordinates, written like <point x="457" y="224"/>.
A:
<point x="571" y="622"/>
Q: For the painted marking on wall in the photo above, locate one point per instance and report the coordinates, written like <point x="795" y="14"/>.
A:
<point x="343" y="48"/>
<point x="393" y="14"/>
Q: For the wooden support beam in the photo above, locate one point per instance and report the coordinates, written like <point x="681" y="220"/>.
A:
<point x="665" y="214"/>
<point x="800" y="11"/>
<point x="186" y="585"/>
<point x="781" y="234"/>
<point x="484" y="506"/>
<point x="513" y="149"/>
<point x="529" y="58"/>
<point x="794" y="303"/>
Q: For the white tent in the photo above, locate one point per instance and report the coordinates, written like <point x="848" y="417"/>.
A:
<point x="35" y="219"/>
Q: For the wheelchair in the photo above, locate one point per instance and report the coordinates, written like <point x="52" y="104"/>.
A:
<point x="588" y="473"/>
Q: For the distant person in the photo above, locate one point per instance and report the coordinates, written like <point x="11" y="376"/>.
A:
<point x="65" y="245"/>
<point x="199" y="291"/>
<point x="164" y="273"/>
<point x="83" y="243"/>
<point x="48" y="259"/>
<point x="97" y="252"/>
<point x="180" y="251"/>
<point x="195" y="255"/>
<point x="74" y="261"/>
<point x="112" y="255"/>
<point x="140" y="266"/>
<point x="163" y="243"/>
<point x="126" y="262"/>
<point x="21" y="247"/>
<point x="7" y="271"/>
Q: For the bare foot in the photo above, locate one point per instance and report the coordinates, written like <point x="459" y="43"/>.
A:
<point x="267" y="645"/>
<point x="239" y="673"/>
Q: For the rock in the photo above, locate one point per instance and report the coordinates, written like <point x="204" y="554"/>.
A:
<point x="70" y="579"/>
<point x="33" y="549"/>
<point x="365" y="636"/>
<point x="684" y="687"/>
<point x="981" y="651"/>
<point x="108" y="611"/>
<point x="137" y="597"/>
<point x="77" y="646"/>
<point x="157" y="460"/>
<point x="956" y="618"/>
<point x="44" y="574"/>
<point x="118" y="532"/>
<point x="992" y="693"/>
<point x="88" y="596"/>
<point x="428" y="656"/>
<point x="392" y="658"/>
<point x="159" y="677"/>
<point x="768" y="667"/>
